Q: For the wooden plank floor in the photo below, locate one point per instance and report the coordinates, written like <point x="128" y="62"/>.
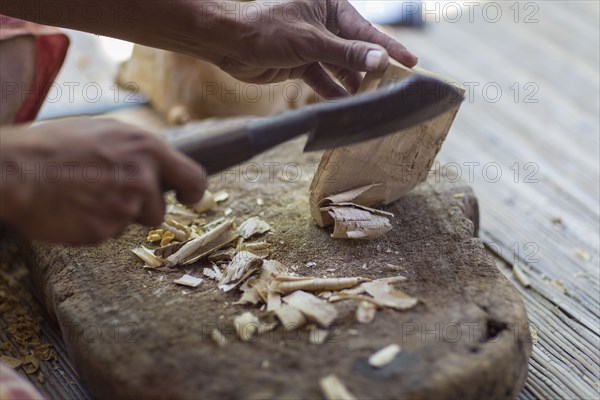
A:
<point x="542" y="135"/>
<point x="532" y="154"/>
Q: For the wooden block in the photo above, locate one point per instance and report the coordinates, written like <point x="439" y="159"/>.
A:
<point x="133" y="333"/>
<point x="397" y="163"/>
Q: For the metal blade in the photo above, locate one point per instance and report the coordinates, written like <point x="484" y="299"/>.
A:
<point x="387" y="110"/>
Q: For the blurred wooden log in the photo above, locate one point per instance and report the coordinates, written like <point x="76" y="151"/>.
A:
<point x="182" y="88"/>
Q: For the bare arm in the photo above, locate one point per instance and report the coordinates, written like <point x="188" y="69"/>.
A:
<point x="82" y="180"/>
<point x="260" y="41"/>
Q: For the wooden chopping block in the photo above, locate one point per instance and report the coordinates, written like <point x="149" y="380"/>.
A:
<point x="133" y="333"/>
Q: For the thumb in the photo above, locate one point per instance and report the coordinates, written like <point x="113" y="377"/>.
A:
<point x="353" y="54"/>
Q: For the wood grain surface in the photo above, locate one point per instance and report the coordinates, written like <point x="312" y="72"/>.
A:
<point x="132" y="333"/>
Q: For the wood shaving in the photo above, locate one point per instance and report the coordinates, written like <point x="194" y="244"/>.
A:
<point x="217" y="337"/>
<point x="384" y="356"/>
<point x="183" y="214"/>
<point x="253" y="226"/>
<point x="179" y="235"/>
<point x="188" y="280"/>
<point x="582" y="254"/>
<point x="261" y="249"/>
<point x="166" y="239"/>
<point x="240" y="268"/>
<point x="146" y="255"/>
<point x="392" y="267"/>
<point x="246" y="326"/>
<point x="260" y="202"/>
<point x="291" y="318"/>
<point x="207" y="203"/>
<point x="384" y="294"/>
<point x="315" y="309"/>
<point x="222" y="255"/>
<point x="352" y="221"/>
<point x="12" y="362"/>
<point x="534" y="335"/>
<point x="316" y="335"/>
<point x="221" y="196"/>
<point x="195" y="249"/>
<point x="334" y="389"/>
<point x="365" y="312"/>
<point x="213" y="273"/>
<point x="256" y="290"/>
<point x="173" y="223"/>
<point x="520" y="275"/>
<point x="317" y="284"/>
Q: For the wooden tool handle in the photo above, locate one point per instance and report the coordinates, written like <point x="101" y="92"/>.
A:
<point x="217" y="150"/>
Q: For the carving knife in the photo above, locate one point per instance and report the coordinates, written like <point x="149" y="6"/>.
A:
<point x="329" y="124"/>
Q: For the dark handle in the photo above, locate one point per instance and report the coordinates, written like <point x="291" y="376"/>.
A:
<point x="219" y="149"/>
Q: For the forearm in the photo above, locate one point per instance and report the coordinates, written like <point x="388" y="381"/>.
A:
<point x="15" y="193"/>
<point x="152" y="23"/>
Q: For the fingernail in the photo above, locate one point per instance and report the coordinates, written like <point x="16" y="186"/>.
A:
<point x="376" y="60"/>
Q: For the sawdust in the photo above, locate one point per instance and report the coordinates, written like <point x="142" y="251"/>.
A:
<point x="21" y="344"/>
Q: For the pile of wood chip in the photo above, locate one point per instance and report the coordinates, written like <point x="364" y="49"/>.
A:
<point x="239" y="258"/>
<point x="20" y="344"/>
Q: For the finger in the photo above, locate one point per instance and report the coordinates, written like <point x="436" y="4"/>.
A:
<point x="97" y="228"/>
<point x="354" y="55"/>
<point x="124" y="204"/>
<point x="152" y="210"/>
<point x="182" y="173"/>
<point x="350" y="79"/>
<point x="353" y="26"/>
<point x="322" y="83"/>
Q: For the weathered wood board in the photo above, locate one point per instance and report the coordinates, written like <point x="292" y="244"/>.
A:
<point x="132" y="333"/>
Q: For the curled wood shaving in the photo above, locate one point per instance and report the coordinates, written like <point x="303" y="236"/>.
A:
<point x="194" y="249"/>
<point x="352" y="221"/>
<point x="365" y="312"/>
<point x="207" y="203"/>
<point x="261" y="249"/>
<point x="241" y="267"/>
<point x="368" y="196"/>
<point x="222" y="255"/>
<point x="146" y="255"/>
<point x="188" y="280"/>
<point x="317" y="284"/>
<point x="334" y="389"/>
<point x="256" y="290"/>
<point x="384" y="356"/>
<point x="315" y="309"/>
<point x="181" y="213"/>
<point x="246" y="326"/>
<point x="384" y="294"/>
<point x="253" y="226"/>
<point x="179" y="235"/>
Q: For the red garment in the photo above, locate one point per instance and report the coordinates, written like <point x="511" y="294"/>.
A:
<point x="14" y="387"/>
<point x="51" y="49"/>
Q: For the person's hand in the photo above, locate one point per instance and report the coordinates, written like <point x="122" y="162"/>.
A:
<point x="83" y="180"/>
<point x="309" y="40"/>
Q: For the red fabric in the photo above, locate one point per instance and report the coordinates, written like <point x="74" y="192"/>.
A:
<point x="51" y="49"/>
<point x="15" y="387"/>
